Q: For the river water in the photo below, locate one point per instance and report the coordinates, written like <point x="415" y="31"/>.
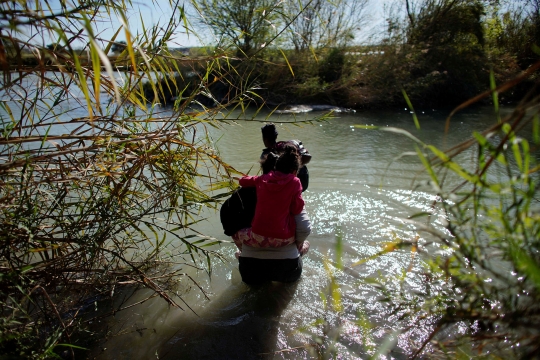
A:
<point x="361" y="189"/>
<point x="363" y="185"/>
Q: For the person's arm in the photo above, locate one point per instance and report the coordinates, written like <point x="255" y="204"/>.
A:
<point x="237" y="242"/>
<point x="303" y="227"/>
<point x="248" y="181"/>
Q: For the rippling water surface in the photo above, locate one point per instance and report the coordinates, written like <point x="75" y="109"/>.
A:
<point x="360" y="189"/>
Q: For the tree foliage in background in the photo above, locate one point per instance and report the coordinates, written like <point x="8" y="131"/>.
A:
<point x="439" y="52"/>
<point x="324" y="24"/>
<point x="119" y="46"/>
<point x="434" y="49"/>
<point x="519" y="32"/>
<point x="247" y="25"/>
<point x="513" y="35"/>
<point x="314" y="28"/>
<point x="450" y="37"/>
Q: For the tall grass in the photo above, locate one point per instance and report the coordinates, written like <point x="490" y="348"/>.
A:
<point x="99" y="187"/>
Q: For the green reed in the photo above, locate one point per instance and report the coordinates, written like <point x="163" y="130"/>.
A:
<point x="99" y="187"/>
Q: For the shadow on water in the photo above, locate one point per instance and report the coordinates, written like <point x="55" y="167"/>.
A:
<point x="241" y="324"/>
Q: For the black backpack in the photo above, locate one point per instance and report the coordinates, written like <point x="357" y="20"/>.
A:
<point x="237" y="212"/>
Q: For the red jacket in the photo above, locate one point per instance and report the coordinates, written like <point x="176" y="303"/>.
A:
<point x="279" y="198"/>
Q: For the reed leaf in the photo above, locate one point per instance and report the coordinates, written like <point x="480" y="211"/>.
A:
<point x="92" y="193"/>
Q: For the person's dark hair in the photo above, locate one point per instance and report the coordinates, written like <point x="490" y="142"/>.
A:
<point x="289" y="160"/>
<point x="269" y="162"/>
<point x="269" y="132"/>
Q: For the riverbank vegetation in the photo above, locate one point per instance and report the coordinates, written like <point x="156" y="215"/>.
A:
<point x="440" y="52"/>
<point x="99" y="189"/>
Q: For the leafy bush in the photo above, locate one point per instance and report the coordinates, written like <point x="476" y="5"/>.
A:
<point x="331" y="68"/>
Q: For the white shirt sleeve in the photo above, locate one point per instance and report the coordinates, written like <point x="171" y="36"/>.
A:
<point x="303" y="226"/>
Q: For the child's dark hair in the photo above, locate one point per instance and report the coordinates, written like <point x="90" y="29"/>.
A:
<point x="269" y="162"/>
<point x="289" y="160"/>
<point x="269" y="131"/>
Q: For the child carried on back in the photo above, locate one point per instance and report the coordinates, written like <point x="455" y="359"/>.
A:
<point x="279" y="199"/>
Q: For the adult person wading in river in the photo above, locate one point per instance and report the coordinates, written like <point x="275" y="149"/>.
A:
<point x="269" y="136"/>
<point x="272" y="251"/>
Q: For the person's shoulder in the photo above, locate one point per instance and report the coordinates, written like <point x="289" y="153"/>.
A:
<point x="296" y="181"/>
<point x="265" y="153"/>
<point x="267" y="176"/>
